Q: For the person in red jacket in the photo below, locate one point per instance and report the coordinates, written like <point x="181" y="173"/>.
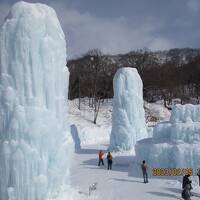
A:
<point x="100" y="158"/>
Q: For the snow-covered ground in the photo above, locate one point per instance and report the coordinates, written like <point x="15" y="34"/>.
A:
<point x="125" y="181"/>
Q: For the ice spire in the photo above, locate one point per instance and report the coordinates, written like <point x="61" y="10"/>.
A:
<point x="35" y="142"/>
<point x="128" y="120"/>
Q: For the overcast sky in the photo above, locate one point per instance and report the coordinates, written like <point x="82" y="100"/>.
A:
<point x="119" y="26"/>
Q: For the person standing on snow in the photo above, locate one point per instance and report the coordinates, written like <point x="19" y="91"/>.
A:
<point x="144" y="171"/>
<point x="109" y="160"/>
<point x="100" y="158"/>
<point x="186" y="193"/>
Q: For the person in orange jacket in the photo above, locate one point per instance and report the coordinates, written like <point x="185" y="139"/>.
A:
<point x="100" y="158"/>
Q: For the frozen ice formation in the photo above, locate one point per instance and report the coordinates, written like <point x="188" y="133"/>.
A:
<point x="35" y="141"/>
<point x="175" y="143"/>
<point x="128" y="119"/>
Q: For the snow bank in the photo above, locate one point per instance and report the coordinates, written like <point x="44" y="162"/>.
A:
<point x="82" y="120"/>
<point x="175" y="143"/>
<point x="87" y="135"/>
<point x="94" y="135"/>
<point x="128" y="120"/>
<point x="35" y="142"/>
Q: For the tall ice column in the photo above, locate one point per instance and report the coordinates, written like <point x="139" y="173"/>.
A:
<point x="35" y="141"/>
<point x="128" y="119"/>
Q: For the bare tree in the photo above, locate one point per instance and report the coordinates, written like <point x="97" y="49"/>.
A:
<point x="95" y="56"/>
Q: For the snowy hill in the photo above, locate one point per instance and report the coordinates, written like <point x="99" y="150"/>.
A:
<point x="165" y="74"/>
<point x="149" y="59"/>
<point x="90" y="133"/>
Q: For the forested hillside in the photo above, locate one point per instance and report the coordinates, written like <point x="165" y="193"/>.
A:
<point x="165" y="74"/>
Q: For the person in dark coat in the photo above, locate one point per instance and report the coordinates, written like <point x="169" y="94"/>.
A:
<point x="186" y="181"/>
<point x="198" y="174"/>
<point x="144" y="171"/>
<point x="186" y="193"/>
<point x="109" y="160"/>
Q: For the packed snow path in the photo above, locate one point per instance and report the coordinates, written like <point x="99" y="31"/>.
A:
<point x="118" y="183"/>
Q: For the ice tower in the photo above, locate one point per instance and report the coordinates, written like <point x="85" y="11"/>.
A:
<point x="128" y="119"/>
<point x="35" y="142"/>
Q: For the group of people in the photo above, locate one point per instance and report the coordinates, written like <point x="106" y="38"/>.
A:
<point x="186" y="184"/>
<point x="109" y="159"/>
